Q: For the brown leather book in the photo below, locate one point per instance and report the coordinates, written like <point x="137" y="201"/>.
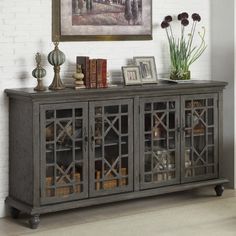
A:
<point x="101" y="73"/>
<point x="93" y="73"/>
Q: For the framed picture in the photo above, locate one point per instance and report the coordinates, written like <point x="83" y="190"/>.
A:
<point x="147" y="67"/>
<point x="131" y="75"/>
<point x="84" y="20"/>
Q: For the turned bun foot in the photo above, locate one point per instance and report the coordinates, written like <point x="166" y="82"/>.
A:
<point x="219" y="190"/>
<point x="34" y="221"/>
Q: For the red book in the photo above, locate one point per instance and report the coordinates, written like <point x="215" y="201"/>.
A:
<point x="84" y="62"/>
<point x="93" y="73"/>
<point x="101" y="73"/>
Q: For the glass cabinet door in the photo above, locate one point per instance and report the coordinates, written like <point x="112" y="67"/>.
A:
<point x="64" y="152"/>
<point x="199" y="149"/>
<point x="159" y="142"/>
<point x="111" y="147"/>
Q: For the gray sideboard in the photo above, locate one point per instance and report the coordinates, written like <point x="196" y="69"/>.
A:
<point x="76" y="148"/>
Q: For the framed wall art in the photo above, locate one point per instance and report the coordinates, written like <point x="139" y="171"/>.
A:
<point x="147" y="67"/>
<point x="131" y="75"/>
<point x="85" y="20"/>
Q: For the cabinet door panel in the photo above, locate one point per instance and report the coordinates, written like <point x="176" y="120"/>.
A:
<point x="64" y="163"/>
<point x="159" y="142"/>
<point x="199" y="137"/>
<point x="111" y="147"/>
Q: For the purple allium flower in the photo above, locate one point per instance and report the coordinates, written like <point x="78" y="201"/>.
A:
<point x="185" y="22"/>
<point x="168" y="18"/>
<point x="180" y="17"/>
<point x="196" y="17"/>
<point x="184" y="15"/>
<point x="165" y="24"/>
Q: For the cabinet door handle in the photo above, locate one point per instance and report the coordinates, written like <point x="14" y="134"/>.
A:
<point x="85" y="139"/>
<point x="92" y="138"/>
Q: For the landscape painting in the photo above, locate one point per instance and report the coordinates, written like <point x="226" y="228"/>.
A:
<point x="84" y="20"/>
<point x="107" y="12"/>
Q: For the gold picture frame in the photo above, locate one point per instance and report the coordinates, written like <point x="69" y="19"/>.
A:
<point x="71" y="24"/>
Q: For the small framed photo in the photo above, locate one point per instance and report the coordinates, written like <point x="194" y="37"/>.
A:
<point x="147" y="67"/>
<point x="131" y="75"/>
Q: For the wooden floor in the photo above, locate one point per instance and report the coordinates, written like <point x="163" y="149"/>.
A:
<point x="197" y="212"/>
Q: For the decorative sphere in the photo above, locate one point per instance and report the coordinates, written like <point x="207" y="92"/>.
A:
<point x="39" y="73"/>
<point x="56" y="57"/>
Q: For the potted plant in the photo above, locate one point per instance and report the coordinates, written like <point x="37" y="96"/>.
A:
<point x="182" y="51"/>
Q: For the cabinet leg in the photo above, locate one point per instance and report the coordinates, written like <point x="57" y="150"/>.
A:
<point x="219" y="188"/>
<point x="15" y="213"/>
<point x="34" y="221"/>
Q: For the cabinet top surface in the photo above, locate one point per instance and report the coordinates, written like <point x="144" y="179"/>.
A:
<point x="201" y="86"/>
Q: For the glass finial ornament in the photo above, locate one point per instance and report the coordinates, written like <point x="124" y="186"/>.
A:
<point x="39" y="72"/>
<point x="56" y="58"/>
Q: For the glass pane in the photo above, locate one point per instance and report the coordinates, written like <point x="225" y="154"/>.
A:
<point x="172" y="120"/>
<point x="111" y="109"/>
<point x="188" y="158"/>
<point x="171" y="161"/>
<point x="50" y="114"/>
<point x="124" y="124"/>
<point x="188" y="104"/>
<point x="124" y="108"/>
<point x="199" y="103"/>
<point x="210" y="139"/>
<point x="171" y="105"/>
<point x="78" y="129"/>
<point x="64" y="113"/>
<point x="98" y="128"/>
<point x="171" y="140"/>
<point x="210" y="102"/>
<point x="78" y="112"/>
<point x="188" y="141"/>
<point x="124" y="167"/>
<point x="50" y="157"/>
<point x="148" y="163"/>
<point x="78" y="176"/>
<point x="148" y="107"/>
<point x="147" y="122"/>
<point x="148" y="178"/>
<point x="124" y="146"/>
<point x="210" y="155"/>
<point x="50" y="131"/>
<point x="188" y="119"/>
<point x="98" y="152"/>
<point x="98" y="111"/>
<point x="159" y="106"/>
<point x="79" y="154"/>
<point x="210" y="116"/>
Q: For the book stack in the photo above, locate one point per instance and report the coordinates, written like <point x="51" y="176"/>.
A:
<point x="94" y="70"/>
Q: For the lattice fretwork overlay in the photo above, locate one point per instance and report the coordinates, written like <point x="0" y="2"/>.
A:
<point x="111" y="147"/>
<point x="64" y="153"/>
<point x="199" y="138"/>
<point x="159" y="149"/>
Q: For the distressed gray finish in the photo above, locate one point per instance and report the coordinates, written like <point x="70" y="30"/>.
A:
<point x="27" y="142"/>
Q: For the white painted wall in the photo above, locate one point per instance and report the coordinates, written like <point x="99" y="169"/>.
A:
<point x="222" y="32"/>
<point x="25" y="28"/>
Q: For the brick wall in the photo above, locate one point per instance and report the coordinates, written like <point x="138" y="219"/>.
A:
<point x="25" y="28"/>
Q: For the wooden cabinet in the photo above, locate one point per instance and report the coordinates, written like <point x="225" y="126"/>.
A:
<point x="72" y="148"/>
